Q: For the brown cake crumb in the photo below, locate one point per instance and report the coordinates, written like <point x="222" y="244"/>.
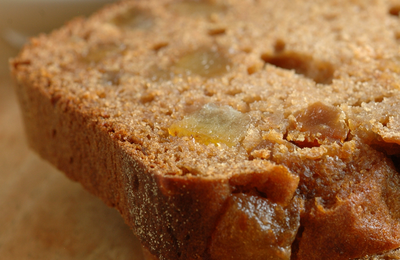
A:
<point x="228" y="129"/>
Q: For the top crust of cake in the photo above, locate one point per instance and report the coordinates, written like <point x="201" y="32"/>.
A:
<point x="290" y="107"/>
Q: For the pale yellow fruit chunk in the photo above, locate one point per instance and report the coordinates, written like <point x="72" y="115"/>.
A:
<point x="197" y="8"/>
<point x="204" y="62"/>
<point x="213" y="124"/>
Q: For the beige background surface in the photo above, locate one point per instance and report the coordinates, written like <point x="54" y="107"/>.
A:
<point x="44" y="215"/>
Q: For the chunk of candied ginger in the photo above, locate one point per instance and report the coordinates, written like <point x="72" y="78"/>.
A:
<point x="101" y="52"/>
<point x="204" y="62"/>
<point x="197" y="8"/>
<point x="317" y="124"/>
<point x="133" y="19"/>
<point x="252" y="227"/>
<point x="213" y="124"/>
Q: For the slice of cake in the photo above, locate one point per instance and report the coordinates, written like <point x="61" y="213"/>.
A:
<point x="228" y="129"/>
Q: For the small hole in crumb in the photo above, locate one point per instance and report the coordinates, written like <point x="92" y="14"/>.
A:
<point x="397" y="36"/>
<point x="330" y="16"/>
<point x="385" y="122"/>
<point x="184" y="170"/>
<point x="234" y="91"/>
<point x="279" y="46"/>
<point x="396" y="161"/>
<point x="168" y="113"/>
<point x="247" y="49"/>
<point x="101" y="94"/>
<point x="394" y="10"/>
<point x="159" y="46"/>
<point x="379" y="99"/>
<point x="216" y="31"/>
<point x="208" y="93"/>
<point x="253" y="69"/>
<point x="319" y="71"/>
<point x="147" y="98"/>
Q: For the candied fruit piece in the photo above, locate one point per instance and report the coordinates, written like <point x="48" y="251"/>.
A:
<point x="100" y="52"/>
<point x="362" y="218"/>
<point x="351" y="192"/>
<point x="204" y="62"/>
<point x="213" y="124"/>
<point x="155" y="73"/>
<point x="133" y="19"/>
<point x="395" y="10"/>
<point x="196" y="7"/>
<point x="252" y="227"/>
<point x="112" y="77"/>
<point x="318" y="123"/>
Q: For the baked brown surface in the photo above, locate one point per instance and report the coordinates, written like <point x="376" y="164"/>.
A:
<point x="228" y="130"/>
<point x="43" y="214"/>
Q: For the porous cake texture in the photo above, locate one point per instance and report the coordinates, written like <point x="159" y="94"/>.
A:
<point x="237" y="129"/>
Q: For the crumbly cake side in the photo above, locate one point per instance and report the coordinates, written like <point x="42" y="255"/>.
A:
<point x="228" y="129"/>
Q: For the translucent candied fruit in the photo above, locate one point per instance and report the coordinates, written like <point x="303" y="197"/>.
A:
<point x="98" y="53"/>
<point x="157" y="74"/>
<point x="133" y="19"/>
<point x="255" y="228"/>
<point x="318" y="123"/>
<point x="213" y="124"/>
<point x="201" y="8"/>
<point x="112" y="77"/>
<point x="204" y="62"/>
